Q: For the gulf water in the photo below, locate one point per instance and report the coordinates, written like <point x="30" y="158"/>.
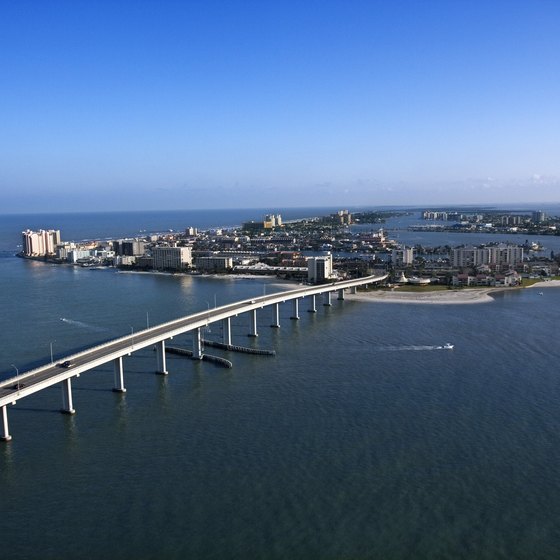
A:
<point x="360" y="439"/>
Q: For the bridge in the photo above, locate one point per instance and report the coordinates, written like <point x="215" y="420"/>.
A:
<point x="68" y="367"/>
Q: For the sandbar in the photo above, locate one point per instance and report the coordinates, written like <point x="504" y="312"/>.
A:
<point x="441" y="297"/>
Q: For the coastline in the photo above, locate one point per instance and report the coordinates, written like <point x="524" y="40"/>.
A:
<point x="447" y="297"/>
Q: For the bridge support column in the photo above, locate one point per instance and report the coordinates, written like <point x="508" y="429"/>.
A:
<point x="197" y="345"/>
<point x="5" y="429"/>
<point x="327" y="299"/>
<point x="313" y="305"/>
<point x="161" y="366"/>
<point x="295" y="309"/>
<point x="253" y="317"/>
<point x="275" y="316"/>
<point x="226" y="328"/>
<point x="354" y="289"/>
<point x="341" y="294"/>
<point x="119" y="376"/>
<point x="67" y="406"/>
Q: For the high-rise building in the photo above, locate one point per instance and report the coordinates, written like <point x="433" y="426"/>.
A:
<point x="271" y="221"/>
<point x="40" y="243"/>
<point x="403" y="256"/>
<point x="494" y="256"/>
<point x="319" y="269"/>
<point x="171" y="258"/>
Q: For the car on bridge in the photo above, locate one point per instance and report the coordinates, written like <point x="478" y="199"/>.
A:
<point x="66" y="364"/>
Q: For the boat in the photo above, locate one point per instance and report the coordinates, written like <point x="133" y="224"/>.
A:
<point x="448" y="346"/>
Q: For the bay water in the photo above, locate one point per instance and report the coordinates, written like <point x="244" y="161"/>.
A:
<point x="359" y="439"/>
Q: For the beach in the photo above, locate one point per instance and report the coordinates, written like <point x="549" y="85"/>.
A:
<point x="443" y="297"/>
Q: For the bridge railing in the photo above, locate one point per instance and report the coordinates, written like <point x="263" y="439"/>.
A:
<point x="256" y="300"/>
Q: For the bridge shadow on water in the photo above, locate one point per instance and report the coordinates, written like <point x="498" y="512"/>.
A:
<point x="33" y="409"/>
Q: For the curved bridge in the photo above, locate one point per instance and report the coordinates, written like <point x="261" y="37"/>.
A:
<point x="32" y="381"/>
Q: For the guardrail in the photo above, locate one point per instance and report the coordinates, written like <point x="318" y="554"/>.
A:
<point x="210" y="316"/>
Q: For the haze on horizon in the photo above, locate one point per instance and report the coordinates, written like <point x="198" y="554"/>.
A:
<point x="131" y="105"/>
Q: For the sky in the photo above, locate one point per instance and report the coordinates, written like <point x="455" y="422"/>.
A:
<point x="141" y="104"/>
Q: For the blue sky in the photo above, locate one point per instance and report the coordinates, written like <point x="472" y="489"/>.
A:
<point x="113" y="105"/>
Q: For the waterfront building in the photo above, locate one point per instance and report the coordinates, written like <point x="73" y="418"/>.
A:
<point x="403" y="256"/>
<point x="40" y="243"/>
<point x="64" y="249"/>
<point x="494" y="256"/>
<point x="342" y="217"/>
<point x="431" y="215"/>
<point x="538" y="217"/>
<point x="272" y="220"/>
<point x="77" y="254"/>
<point x="214" y="264"/>
<point x="124" y="260"/>
<point x="171" y="258"/>
<point x="319" y="269"/>
<point x="129" y="247"/>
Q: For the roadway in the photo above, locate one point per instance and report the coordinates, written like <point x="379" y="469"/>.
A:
<point x="45" y="376"/>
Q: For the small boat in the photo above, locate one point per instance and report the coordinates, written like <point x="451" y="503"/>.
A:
<point x="541" y="294"/>
<point x="448" y="346"/>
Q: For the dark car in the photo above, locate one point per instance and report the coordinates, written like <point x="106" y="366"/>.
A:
<point x="66" y="364"/>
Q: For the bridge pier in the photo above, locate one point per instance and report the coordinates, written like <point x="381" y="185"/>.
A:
<point x="295" y="309"/>
<point x="341" y="294"/>
<point x="313" y="304"/>
<point x="275" y="316"/>
<point x="226" y="330"/>
<point x="197" y="345"/>
<point x="253" y="317"/>
<point x="5" y="429"/>
<point x="67" y="406"/>
<point x="161" y="366"/>
<point x="327" y="299"/>
<point x="119" y="376"/>
<point x="353" y="289"/>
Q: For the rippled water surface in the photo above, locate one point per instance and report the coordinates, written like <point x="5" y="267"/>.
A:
<point x="360" y="439"/>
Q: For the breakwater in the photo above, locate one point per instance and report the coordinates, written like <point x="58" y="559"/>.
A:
<point x="218" y="360"/>
<point x="235" y="348"/>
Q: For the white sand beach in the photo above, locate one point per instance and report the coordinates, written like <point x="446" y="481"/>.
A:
<point x="443" y="297"/>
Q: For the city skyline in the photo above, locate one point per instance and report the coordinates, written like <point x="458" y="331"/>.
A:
<point x="137" y="105"/>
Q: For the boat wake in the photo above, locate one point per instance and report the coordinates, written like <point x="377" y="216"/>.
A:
<point x="415" y="348"/>
<point x="83" y="325"/>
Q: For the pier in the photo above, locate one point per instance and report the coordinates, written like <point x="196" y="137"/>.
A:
<point x="69" y="367"/>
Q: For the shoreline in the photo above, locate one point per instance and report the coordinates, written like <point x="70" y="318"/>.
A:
<point x="464" y="296"/>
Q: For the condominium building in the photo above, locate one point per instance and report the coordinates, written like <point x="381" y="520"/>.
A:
<point x="319" y="268"/>
<point x="494" y="256"/>
<point x="403" y="256"/>
<point x="214" y="264"/>
<point x="40" y="243"/>
<point x="272" y="220"/>
<point x="129" y="247"/>
<point x="171" y="258"/>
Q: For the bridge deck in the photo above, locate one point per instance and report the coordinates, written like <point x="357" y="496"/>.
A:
<point x="45" y="376"/>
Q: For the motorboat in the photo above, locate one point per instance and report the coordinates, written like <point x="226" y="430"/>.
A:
<point x="448" y="346"/>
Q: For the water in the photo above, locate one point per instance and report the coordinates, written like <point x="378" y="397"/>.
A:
<point x="359" y="439"/>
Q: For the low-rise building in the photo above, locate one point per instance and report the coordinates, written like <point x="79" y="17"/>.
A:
<point x="214" y="264"/>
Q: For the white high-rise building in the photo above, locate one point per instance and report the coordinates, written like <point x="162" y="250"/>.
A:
<point x="403" y="256"/>
<point x="494" y="256"/>
<point x="319" y="268"/>
<point x="171" y="258"/>
<point x="40" y="243"/>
